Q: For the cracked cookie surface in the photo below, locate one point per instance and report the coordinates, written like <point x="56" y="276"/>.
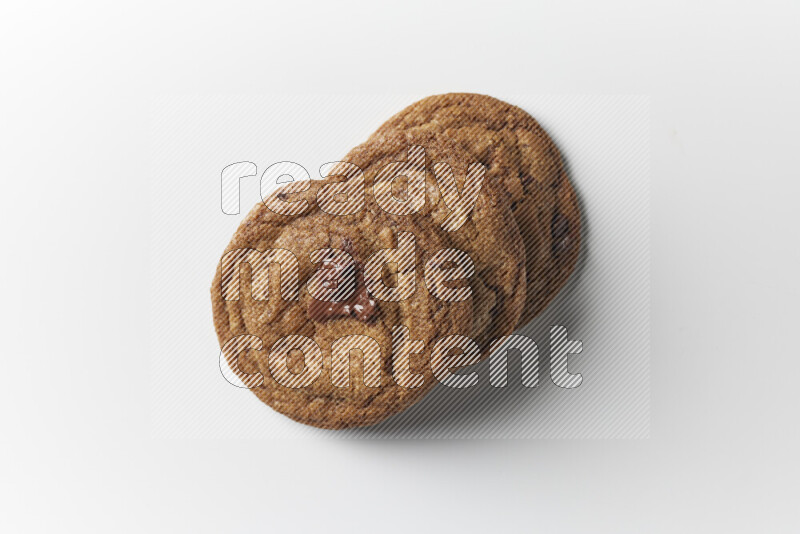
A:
<point x="324" y="404"/>
<point x="489" y="233"/>
<point x="521" y="156"/>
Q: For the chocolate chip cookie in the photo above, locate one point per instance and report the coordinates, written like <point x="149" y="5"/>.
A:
<point x="522" y="157"/>
<point x="297" y="323"/>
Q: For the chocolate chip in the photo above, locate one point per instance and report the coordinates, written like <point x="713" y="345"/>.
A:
<point x="360" y="305"/>
<point x="559" y="231"/>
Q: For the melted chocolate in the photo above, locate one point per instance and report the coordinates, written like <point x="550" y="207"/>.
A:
<point x="361" y="306"/>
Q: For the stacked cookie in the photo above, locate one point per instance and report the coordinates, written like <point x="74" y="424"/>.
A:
<point x="375" y="288"/>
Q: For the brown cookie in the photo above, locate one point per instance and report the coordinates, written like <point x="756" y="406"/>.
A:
<point x="523" y="158"/>
<point x="328" y="306"/>
<point x="488" y="233"/>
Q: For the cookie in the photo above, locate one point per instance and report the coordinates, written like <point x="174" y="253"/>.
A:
<point x="262" y="319"/>
<point x="488" y="233"/>
<point x="522" y="157"/>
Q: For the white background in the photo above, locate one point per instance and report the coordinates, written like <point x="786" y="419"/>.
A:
<point x="77" y="453"/>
